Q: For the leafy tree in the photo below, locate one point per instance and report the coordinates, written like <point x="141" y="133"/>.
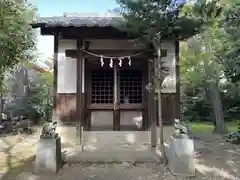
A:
<point x="196" y="104"/>
<point x="229" y="54"/>
<point x="17" y="40"/>
<point x="154" y="21"/>
<point x="201" y="70"/>
<point x="193" y="97"/>
<point x="203" y="48"/>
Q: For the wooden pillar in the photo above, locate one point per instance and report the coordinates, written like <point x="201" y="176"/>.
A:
<point x="145" y="77"/>
<point x="88" y="94"/>
<point x="150" y="98"/>
<point x="83" y="95"/>
<point x="116" y="100"/>
<point x="178" y="103"/>
<point x="153" y="106"/>
<point x="55" y="78"/>
<point x="79" y="118"/>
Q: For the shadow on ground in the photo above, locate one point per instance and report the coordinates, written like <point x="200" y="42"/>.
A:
<point x="15" y="170"/>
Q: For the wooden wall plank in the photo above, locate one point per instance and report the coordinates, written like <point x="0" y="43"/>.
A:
<point x="66" y="107"/>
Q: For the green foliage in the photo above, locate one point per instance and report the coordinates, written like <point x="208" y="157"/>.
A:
<point x="40" y="94"/>
<point x="234" y="137"/>
<point x="204" y="61"/>
<point x="195" y="98"/>
<point x="153" y="20"/>
<point x="17" y="40"/>
<point x="229" y="54"/>
<point x="34" y="103"/>
<point x="196" y="72"/>
<point x="205" y="127"/>
<point x="196" y="106"/>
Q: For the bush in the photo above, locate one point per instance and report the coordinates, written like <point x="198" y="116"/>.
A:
<point x="234" y="137"/>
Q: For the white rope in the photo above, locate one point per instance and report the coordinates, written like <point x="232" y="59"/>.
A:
<point x="120" y="62"/>
<point x="101" y="60"/>
<point x="111" y="57"/>
<point x="129" y="61"/>
<point x="111" y="63"/>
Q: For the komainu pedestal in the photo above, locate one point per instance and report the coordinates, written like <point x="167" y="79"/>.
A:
<point x="180" y="156"/>
<point x="48" y="156"/>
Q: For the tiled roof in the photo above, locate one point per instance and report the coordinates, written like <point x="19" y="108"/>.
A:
<point x="80" y="20"/>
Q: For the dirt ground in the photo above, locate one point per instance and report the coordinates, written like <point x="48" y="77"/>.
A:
<point x="215" y="159"/>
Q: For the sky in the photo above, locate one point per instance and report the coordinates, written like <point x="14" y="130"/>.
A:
<point x="48" y="8"/>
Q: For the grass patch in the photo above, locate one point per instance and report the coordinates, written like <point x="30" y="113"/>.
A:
<point x="208" y="127"/>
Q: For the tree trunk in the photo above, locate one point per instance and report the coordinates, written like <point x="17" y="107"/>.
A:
<point x="1" y="105"/>
<point x="160" y="79"/>
<point x="1" y="95"/>
<point x="25" y="85"/>
<point x="220" y="126"/>
<point x="208" y="98"/>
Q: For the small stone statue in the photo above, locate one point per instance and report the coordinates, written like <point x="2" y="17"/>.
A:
<point x="49" y="131"/>
<point x="181" y="130"/>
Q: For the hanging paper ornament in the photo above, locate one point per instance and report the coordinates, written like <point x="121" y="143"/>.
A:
<point x="129" y="61"/>
<point x="111" y="63"/>
<point x="101" y="60"/>
<point x="120" y="62"/>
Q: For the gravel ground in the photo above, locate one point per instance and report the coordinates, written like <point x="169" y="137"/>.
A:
<point x="115" y="172"/>
<point x="215" y="158"/>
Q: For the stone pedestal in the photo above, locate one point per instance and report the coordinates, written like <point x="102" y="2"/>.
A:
<point x="180" y="154"/>
<point x="48" y="156"/>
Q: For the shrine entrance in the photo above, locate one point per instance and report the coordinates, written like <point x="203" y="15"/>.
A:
<point x="123" y="85"/>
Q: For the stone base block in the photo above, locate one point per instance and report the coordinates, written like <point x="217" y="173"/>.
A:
<point x="180" y="154"/>
<point x="48" y="156"/>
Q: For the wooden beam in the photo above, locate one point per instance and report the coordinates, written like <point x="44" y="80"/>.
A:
<point x="117" y="51"/>
<point x="93" y="33"/>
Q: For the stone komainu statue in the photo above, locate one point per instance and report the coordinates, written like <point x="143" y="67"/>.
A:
<point x="49" y="130"/>
<point x="181" y="129"/>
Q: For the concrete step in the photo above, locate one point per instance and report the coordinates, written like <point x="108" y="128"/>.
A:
<point x="76" y="155"/>
<point x="116" y="136"/>
<point x="101" y="147"/>
<point x="68" y="135"/>
<point x="112" y="146"/>
<point x="108" y="141"/>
